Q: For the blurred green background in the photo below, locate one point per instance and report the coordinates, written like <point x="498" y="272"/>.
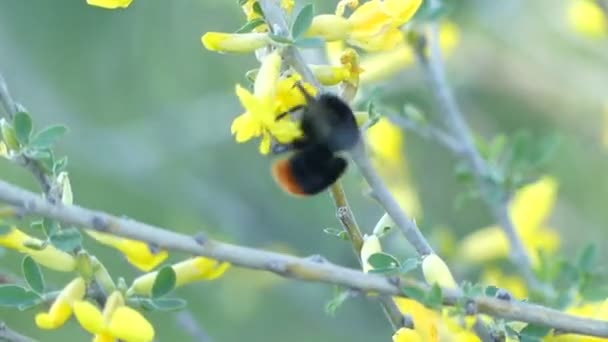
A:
<point x="149" y="111"/>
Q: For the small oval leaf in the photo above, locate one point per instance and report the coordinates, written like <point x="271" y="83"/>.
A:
<point x="32" y="274"/>
<point x="15" y="296"/>
<point x="48" y="136"/>
<point x="164" y="282"/>
<point x="303" y="21"/>
<point x="23" y="127"/>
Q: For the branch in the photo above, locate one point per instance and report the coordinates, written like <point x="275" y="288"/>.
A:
<point x="288" y="266"/>
<point x="7" y="334"/>
<point x="47" y="184"/>
<point x="275" y="17"/>
<point x="433" y="68"/>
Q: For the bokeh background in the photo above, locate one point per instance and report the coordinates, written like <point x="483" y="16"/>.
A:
<point x="149" y="112"/>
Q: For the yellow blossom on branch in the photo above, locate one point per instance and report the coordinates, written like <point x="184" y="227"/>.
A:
<point x="386" y="142"/>
<point x="110" y="4"/>
<point x="407" y="335"/>
<point x="260" y="118"/>
<point x="117" y="321"/>
<point x="234" y="42"/>
<point x="373" y="26"/>
<point x="528" y="211"/>
<point x="435" y="271"/>
<point x="47" y="255"/>
<point x="587" y="18"/>
<point x="186" y="272"/>
<point x="61" y="309"/>
<point x="380" y="65"/>
<point x="140" y="254"/>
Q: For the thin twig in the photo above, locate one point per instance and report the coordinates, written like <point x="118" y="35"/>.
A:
<point x="9" y="335"/>
<point x="275" y="17"/>
<point x="287" y="266"/>
<point x="434" y="70"/>
<point x="185" y="319"/>
<point x="11" y="108"/>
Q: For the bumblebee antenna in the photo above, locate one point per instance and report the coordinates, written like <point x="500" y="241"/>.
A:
<point x="303" y="90"/>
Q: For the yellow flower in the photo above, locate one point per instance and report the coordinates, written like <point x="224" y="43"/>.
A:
<point x="234" y="42"/>
<point x="138" y="253"/>
<point x="386" y="142"/>
<point x="261" y="108"/>
<point x="406" y="335"/>
<point x="110" y="4"/>
<point x="61" y="309"/>
<point x="515" y="285"/>
<point x="373" y="26"/>
<point x="380" y="65"/>
<point x="587" y="18"/>
<point x="49" y="256"/>
<point x="186" y="272"/>
<point x="435" y="271"/>
<point x="116" y="322"/>
<point x="371" y="245"/>
<point x="528" y="210"/>
<point x="425" y="320"/>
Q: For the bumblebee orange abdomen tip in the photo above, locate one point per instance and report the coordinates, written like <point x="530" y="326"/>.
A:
<point x="283" y="175"/>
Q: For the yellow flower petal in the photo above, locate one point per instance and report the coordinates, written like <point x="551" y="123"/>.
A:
<point x="187" y="271"/>
<point x="14" y="239"/>
<point x="407" y="335"/>
<point x="484" y="244"/>
<point x="400" y="11"/>
<point x="234" y="42"/>
<point x="386" y="141"/>
<point x="265" y="86"/>
<point x="587" y="18"/>
<point x="61" y="309"/>
<point x="265" y="144"/>
<point x="89" y="317"/>
<point x="330" y="75"/>
<point x="425" y="320"/>
<point x="330" y="27"/>
<point x="130" y="326"/>
<point x="138" y="253"/>
<point x="110" y="4"/>
<point x="244" y="128"/>
<point x="387" y="39"/>
<point x="533" y="203"/>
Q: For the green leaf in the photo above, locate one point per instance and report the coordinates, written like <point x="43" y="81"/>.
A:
<point x="50" y="227"/>
<point x="339" y="233"/>
<point x="383" y="261"/>
<point x="587" y="258"/>
<point x="32" y="274"/>
<point x="309" y="43"/>
<point x="434" y="298"/>
<point x="164" y="282"/>
<point x="67" y="239"/>
<point x="22" y="122"/>
<point x="258" y="9"/>
<point x="280" y="39"/>
<point x="303" y="21"/>
<point x="48" y="136"/>
<point x="242" y="2"/>
<point x="409" y="265"/>
<point x="414" y="293"/>
<point x="4" y="229"/>
<point x="533" y="333"/>
<point x="250" y="25"/>
<point x="37" y="154"/>
<point x="15" y="296"/>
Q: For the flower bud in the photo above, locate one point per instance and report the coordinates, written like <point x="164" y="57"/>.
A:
<point x="437" y="272"/>
<point x="371" y="245"/>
